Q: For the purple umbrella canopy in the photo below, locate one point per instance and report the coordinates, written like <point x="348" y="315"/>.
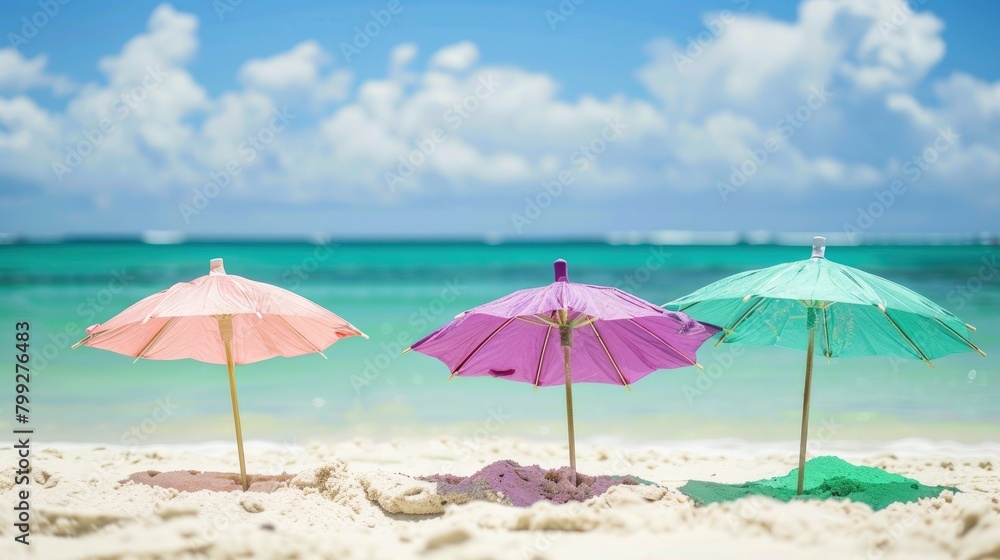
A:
<point x="617" y="338"/>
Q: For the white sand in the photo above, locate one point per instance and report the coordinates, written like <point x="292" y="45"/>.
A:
<point x="330" y="509"/>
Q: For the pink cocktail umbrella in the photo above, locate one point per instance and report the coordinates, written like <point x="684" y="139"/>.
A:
<point x="221" y="319"/>
<point x="618" y="339"/>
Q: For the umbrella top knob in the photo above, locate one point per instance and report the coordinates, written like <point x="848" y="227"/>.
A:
<point x="215" y="267"/>
<point x="561" y="271"/>
<point x="819" y="247"/>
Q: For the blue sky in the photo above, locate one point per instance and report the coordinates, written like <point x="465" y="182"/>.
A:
<point x="515" y="119"/>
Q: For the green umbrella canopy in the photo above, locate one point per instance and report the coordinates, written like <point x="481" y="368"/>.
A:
<point x="855" y="313"/>
<point x="846" y="311"/>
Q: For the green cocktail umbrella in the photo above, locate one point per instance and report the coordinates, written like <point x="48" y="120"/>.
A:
<point x="846" y="311"/>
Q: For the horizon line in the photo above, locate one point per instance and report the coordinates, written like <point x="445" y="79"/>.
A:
<point x="661" y="237"/>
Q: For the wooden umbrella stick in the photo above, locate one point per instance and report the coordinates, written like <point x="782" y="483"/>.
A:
<point x="236" y="414"/>
<point x="226" y="332"/>
<point x="805" y="411"/>
<point x="569" y="416"/>
<point x="566" y="341"/>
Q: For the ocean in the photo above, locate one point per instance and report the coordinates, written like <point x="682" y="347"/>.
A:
<point x="398" y="292"/>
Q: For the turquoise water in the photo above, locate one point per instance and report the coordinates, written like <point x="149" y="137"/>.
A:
<point x="398" y="292"/>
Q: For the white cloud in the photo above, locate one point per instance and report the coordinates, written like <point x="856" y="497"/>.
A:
<point x="971" y="108"/>
<point x="298" y="72"/>
<point x="402" y="55"/>
<point x="335" y="87"/>
<point x="762" y="66"/>
<point x="133" y="131"/>
<point x="296" y="68"/>
<point x="905" y="104"/>
<point x="27" y="136"/>
<point x="462" y="164"/>
<point x="968" y="98"/>
<point x="234" y="117"/>
<point x="170" y="41"/>
<point x="505" y="128"/>
<point x="456" y="57"/>
<point x="20" y="74"/>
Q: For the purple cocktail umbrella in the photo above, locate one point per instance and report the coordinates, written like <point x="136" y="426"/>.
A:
<point x="618" y="339"/>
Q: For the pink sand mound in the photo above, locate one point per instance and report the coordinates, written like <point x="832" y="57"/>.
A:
<point x="524" y="486"/>
<point x="194" y="481"/>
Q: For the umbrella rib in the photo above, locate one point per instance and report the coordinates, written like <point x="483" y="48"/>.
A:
<point x="738" y="321"/>
<point x="481" y="344"/>
<point x="965" y="340"/>
<point x="246" y="296"/>
<point x="541" y="357"/>
<point x="610" y="357"/>
<point x="551" y="319"/>
<point x="304" y="339"/>
<point x="667" y="344"/>
<point x="95" y="334"/>
<point x="826" y="334"/>
<point x="358" y="331"/>
<point x="903" y="334"/>
<point x="167" y="294"/>
<point x="265" y="338"/>
<point x="156" y="338"/>
<point x="863" y="285"/>
<point x="539" y="323"/>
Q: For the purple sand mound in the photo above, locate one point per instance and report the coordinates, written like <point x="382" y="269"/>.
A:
<point x="195" y="481"/>
<point x="524" y="486"/>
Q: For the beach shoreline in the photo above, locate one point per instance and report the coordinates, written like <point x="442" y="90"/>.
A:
<point x="331" y="508"/>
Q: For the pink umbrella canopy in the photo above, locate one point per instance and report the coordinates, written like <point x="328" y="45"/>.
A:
<point x="221" y="319"/>
<point x="618" y="339"/>
<point x="183" y="322"/>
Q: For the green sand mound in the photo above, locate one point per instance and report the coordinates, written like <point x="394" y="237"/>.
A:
<point x="826" y="477"/>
